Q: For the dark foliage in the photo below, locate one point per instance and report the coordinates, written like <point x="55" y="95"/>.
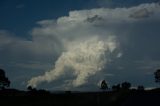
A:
<point x="116" y="87"/>
<point x="140" y="88"/>
<point x="29" y="88"/>
<point x="122" y="97"/>
<point x="4" y="81"/>
<point x="157" y="76"/>
<point x="126" y="85"/>
<point x="104" y="85"/>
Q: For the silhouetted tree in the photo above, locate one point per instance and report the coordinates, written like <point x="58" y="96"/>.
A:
<point x="4" y="81"/>
<point x="29" y="88"/>
<point x="68" y="92"/>
<point x="116" y="87"/>
<point x="157" y="76"/>
<point x="126" y="85"/>
<point x="140" y="88"/>
<point x="104" y="85"/>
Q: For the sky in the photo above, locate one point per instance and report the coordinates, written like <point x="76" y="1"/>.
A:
<point x="74" y="44"/>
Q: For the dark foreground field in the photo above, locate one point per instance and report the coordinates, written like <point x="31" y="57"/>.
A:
<point x="113" y="98"/>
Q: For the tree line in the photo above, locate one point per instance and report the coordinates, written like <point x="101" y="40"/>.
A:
<point x="5" y="83"/>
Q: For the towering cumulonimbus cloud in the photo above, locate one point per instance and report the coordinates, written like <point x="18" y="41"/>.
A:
<point x="84" y="59"/>
<point x="85" y="40"/>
